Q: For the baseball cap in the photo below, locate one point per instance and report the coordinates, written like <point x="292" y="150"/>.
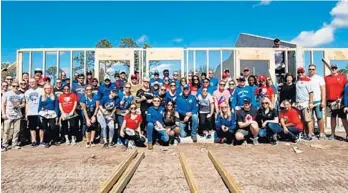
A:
<point x="37" y="70"/>
<point x="89" y="73"/>
<point x="156" y="73"/>
<point x="146" y="79"/>
<point x="241" y="78"/>
<point x="247" y="100"/>
<point x="300" y="69"/>
<point x="114" y="90"/>
<point x="333" y="66"/>
<point x="165" y="71"/>
<point x="155" y="83"/>
<point x="46" y="78"/>
<point x="246" y="69"/>
<point x="134" y="77"/>
<point x="186" y="86"/>
<point x="123" y="72"/>
<point x="262" y="78"/>
<point x="106" y="78"/>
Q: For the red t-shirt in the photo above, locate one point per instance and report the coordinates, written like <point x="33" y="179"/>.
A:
<point x="292" y="116"/>
<point x="132" y="123"/>
<point x="67" y="101"/>
<point x="335" y="86"/>
<point x="266" y="91"/>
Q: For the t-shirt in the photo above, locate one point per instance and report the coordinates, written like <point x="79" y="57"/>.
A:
<point x="335" y="86"/>
<point x="220" y="97"/>
<point x="108" y="104"/>
<point x="58" y="91"/>
<point x="148" y="95"/>
<point x="132" y="123"/>
<point x="303" y="88"/>
<point x="264" y="91"/>
<point x="244" y="116"/>
<point x="288" y="92"/>
<point x="317" y="81"/>
<point x="262" y="116"/>
<point x="78" y="89"/>
<point x="32" y="97"/>
<point x="204" y="103"/>
<point x="13" y="101"/>
<point x="91" y="103"/>
<point x="67" y="102"/>
<point x="292" y="116"/>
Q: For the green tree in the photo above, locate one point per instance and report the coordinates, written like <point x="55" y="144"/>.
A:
<point x="5" y="71"/>
<point x="52" y="71"/>
<point x="344" y="70"/>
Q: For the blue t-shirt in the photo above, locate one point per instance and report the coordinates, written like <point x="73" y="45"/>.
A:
<point x="91" y="103"/>
<point x="127" y="100"/>
<point x="78" y="89"/>
<point x="109" y="104"/>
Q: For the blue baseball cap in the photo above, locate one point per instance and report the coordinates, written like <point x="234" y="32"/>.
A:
<point x="247" y="100"/>
<point x="186" y="86"/>
<point x="156" y="72"/>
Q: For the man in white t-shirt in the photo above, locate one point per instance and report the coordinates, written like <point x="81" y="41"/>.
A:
<point x="31" y="111"/>
<point x="304" y="101"/>
<point x="319" y="96"/>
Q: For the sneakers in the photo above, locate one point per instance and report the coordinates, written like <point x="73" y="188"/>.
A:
<point x="194" y="139"/>
<point x="177" y="138"/>
<point x="67" y="142"/>
<point x="106" y="145"/>
<point x="255" y="140"/>
<point x="209" y="136"/>
<point x="88" y="145"/>
<point x="245" y="143"/>
<point x="332" y="137"/>
<point x="47" y="145"/>
<point x="307" y="138"/>
<point x="73" y="142"/>
<point x="275" y="140"/>
<point x="17" y="147"/>
<point x="131" y="144"/>
<point x="112" y="144"/>
<point x="42" y="144"/>
<point x="322" y="136"/>
<point x="33" y="144"/>
<point x="92" y="144"/>
<point x="149" y="146"/>
<point x="3" y="149"/>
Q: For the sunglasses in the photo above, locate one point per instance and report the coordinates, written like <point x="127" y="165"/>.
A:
<point x="4" y="85"/>
<point x="166" y="80"/>
<point x="334" y="68"/>
<point x="224" y="107"/>
<point x="172" y="85"/>
<point x="264" y="103"/>
<point x="65" y="89"/>
<point x="232" y="84"/>
<point x="156" y="101"/>
<point x="128" y="87"/>
<point x="23" y="83"/>
<point x="89" y="89"/>
<point x="222" y="84"/>
<point x="163" y="89"/>
<point x="59" y="82"/>
<point x="15" y="86"/>
<point x="300" y="72"/>
<point x="311" y="69"/>
<point x="246" y="70"/>
<point x="206" y="82"/>
<point x="176" y="75"/>
<point x="133" y="108"/>
<point x="95" y="81"/>
<point x="247" y="103"/>
<point x="204" y="90"/>
<point x="145" y="81"/>
<point x="9" y="79"/>
<point x="169" y="105"/>
<point x="211" y="73"/>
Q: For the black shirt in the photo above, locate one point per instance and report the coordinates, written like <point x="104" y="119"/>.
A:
<point x="288" y="92"/>
<point x="262" y="116"/>
<point x="58" y="91"/>
<point x="243" y="115"/>
<point x="148" y="95"/>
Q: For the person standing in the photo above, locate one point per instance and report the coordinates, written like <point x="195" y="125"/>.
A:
<point x="79" y="89"/>
<point x="288" y="90"/>
<point x="335" y="83"/>
<point x="206" y="111"/>
<point x="213" y="81"/>
<point x="221" y="96"/>
<point x="12" y="102"/>
<point x="144" y="96"/>
<point x="241" y="92"/>
<point x="58" y="87"/>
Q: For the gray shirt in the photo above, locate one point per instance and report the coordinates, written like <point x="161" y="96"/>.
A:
<point x="204" y="103"/>
<point x="32" y="97"/>
<point x="13" y="100"/>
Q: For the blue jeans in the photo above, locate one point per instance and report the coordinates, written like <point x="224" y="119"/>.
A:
<point x="149" y="131"/>
<point x="119" y="119"/>
<point x="194" y="122"/>
<point x="271" y="128"/>
<point x="110" y="123"/>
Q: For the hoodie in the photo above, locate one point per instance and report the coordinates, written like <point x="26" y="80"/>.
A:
<point x="240" y="94"/>
<point x="230" y="123"/>
<point x="154" y="115"/>
<point x="186" y="104"/>
<point x="105" y="90"/>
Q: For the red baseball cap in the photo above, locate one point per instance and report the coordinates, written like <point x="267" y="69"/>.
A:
<point x="46" y="78"/>
<point x="300" y="69"/>
<point x="262" y="78"/>
<point x="134" y="77"/>
<point x="246" y="69"/>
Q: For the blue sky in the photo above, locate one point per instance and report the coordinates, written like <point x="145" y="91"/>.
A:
<point x="161" y="24"/>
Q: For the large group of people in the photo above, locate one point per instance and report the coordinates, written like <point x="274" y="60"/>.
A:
<point x="163" y="110"/>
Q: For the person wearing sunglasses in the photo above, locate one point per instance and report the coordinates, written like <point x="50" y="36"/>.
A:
<point x="187" y="107"/>
<point x="221" y="96"/>
<point x="171" y="123"/>
<point x="196" y="84"/>
<point x="130" y="128"/>
<point x="24" y="132"/>
<point x="135" y="85"/>
<point x="12" y="102"/>
<point x="126" y="100"/>
<point x="4" y="87"/>
<point x="335" y="83"/>
<point x="32" y="97"/>
<point x="48" y="111"/>
<point x="95" y="85"/>
<point x="180" y="88"/>
<point x="213" y="81"/>
<point x="263" y="90"/>
<point x="67" y="106"/>
<point x="290" y="121"/>
<point x="246" y="74"/>
<point x="267" y="118"/>
<point x="246" y="122"/>
<point x="108" y="106"/>
<point x="319" y="98"/>
<point x="90" y="105"/>
<point x="304" y="102"/>
<point x="166" y="82"/>
<point x="176" y="78"/>
<point x="206" y="111"/>
<point x="225" y="125"/>
<point x="58" y="87"/>
<point x="162" y="94"/>
<point x="241" y="92"/>
<point x="156" y="79"/>
<point x="155" y="123"/>
<point x="172" y="93"/>
<point x="206" y="84"/>
<point x="25" y="77"/>
<point x="9" y="81"/>
<point x="144" y="96"/>
<point x="79" y="89"/>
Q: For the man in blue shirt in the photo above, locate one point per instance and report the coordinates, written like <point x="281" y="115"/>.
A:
<point x="206" y="84"/>
<point x="213" y="81"/>
<point x="156" y="78"/>
<point x="106" y="87"/>
<point x="241" y="92"/>
<point x="187" y="107"/>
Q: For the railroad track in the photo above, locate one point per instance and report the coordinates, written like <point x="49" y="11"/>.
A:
<point x="121" y="176"/>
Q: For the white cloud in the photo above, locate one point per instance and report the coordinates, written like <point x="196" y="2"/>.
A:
<point x="263" y="3"/>
<point x="178" y="40"/>
<point x="142" y="39"/>
<point x="326" y="34"/>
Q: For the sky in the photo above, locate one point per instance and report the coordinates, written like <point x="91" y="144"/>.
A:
<point x="167" y="24"/>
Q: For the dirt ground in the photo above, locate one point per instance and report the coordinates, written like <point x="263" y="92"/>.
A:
<point x="321" y="167"/>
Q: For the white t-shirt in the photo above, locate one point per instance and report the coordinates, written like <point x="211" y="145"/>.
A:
<point x="13" y="101"/>
<point x="317" y="81"/>
<point x="204" y="103"/>
<point x="303" y="88"/>
<point x="32" y="100"/>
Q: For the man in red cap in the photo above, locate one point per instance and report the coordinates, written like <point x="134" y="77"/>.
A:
<point x="264" y="91"/>
<point x="304" y="101"/>
<point x="335" y="83"/>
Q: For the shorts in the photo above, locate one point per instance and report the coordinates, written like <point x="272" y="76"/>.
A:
<point x="34" y="122"/>
<point x="317" y="110"/>
<point x="93" y="127"/>
<point x="338" y="112"/>
<point x="245" y="132"/>
<point x="306" y="114"/>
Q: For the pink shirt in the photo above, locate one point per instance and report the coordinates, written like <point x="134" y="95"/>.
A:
<point x="221" y="97"/>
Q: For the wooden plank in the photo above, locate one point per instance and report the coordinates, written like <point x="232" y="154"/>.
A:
<point x="340" y="54"/>
<point x="106" y="186"/>
<point x="227" y="178"/>
<point x="122" y="183"/>
<point x="188" y="174"/>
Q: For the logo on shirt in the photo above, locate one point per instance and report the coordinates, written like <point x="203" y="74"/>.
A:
<point x="248" y="118"/>
<point x="109" y="106"/>
<point x="33" y="97"/>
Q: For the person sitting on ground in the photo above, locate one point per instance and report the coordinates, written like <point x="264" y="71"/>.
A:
<point x="225" y="125"/>
<point x="268" y="121"/>
<point x="247" y="125"/>
<point x="90" y="105"/>
<point x="187" y="107"/>
<point x="171" y="123"/>
<point x="155" y="122"/>
<point x="130" y="128"/>
<point x="67" y="106"/>
<point x="290" y="121"/>
<point x="206" y="111"/>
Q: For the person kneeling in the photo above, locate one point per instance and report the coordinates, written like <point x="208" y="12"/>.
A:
<point x="130" y="128"/>
<point x="247" y="126"/>
<point x="225" y="125"/>
<point x="154" y="120"/>
<point x="291" y="121"/>
<point x="171" y="123"/>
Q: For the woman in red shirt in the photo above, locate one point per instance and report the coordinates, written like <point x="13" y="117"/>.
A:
<point x="290" y="120"/>
<point x="130" y="128"/>
<point x="195" y="85"/>
<point x="67" y="105"/>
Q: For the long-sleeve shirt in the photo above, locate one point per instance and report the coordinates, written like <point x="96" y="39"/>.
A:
<point x="288" y="92"/>
<point x="227" y="122"/>
<point x="49" y="104"/>
<point x="155" y="114"/>
<point x="186" y="104"/>
<point x="105" y="90"/>
<point x="170" y="96"/>
<point x="345" y="96"/>
<point x="240" y="94"/>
